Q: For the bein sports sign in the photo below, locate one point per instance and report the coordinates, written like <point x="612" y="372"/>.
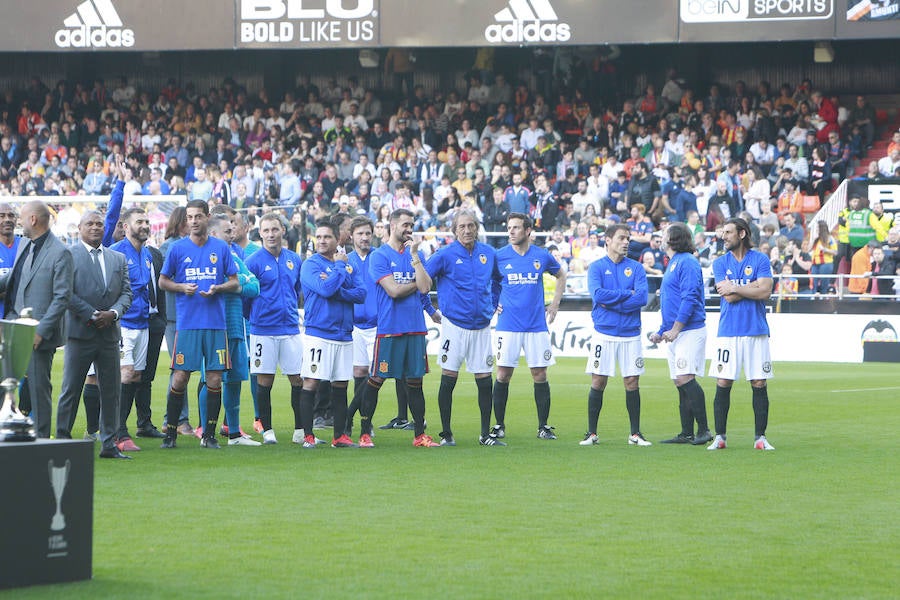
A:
<point x="729" y="11"/>
<point x="307" y="22"/>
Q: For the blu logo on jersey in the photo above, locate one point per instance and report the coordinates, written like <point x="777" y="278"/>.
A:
<point x="401" y="277"/>
<point x="199" y="273"/>
<point x="523" y="278"/>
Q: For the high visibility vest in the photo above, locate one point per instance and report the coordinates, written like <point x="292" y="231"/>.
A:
<point x="861" y="232"/>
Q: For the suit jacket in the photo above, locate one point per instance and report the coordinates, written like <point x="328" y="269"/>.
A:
<point x="46" y="289"/>
<point x="159" y="319"/>
<point x="89" y="293"/>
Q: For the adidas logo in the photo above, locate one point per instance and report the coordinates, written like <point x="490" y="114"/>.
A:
<point x="187" y="259"/>
<point x="608" y="272"/>
<point x="527" y="21"/>
<point x="459" y="261"/>
<point x="508" y="266"/>
<point x="393" y="264"/>
<point x="94" y="24"/>
<point x="268" y="268"/>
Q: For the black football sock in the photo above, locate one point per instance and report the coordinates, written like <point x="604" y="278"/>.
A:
<point x="322" y="404"/>
<point x="126" y="399"/>
<point x="595" y="405"/>
<point x="359" y="388"/>
<point x="633" y="405"/>
<point x="500" y="397"/>
<point x="339" y="408"/>
<point x="684" y="411"/>
<point x="303" y="402"/>
<point x="761" y="409"/>
<point x="368" y="405"/>
<point x="542" y="402"/>
<point x="697" y="400"/>
<point x="264" y="402"/>
<point x="484" y="403"/>
<point x="721" y="404"/>
<point x="91" y="397"/>
<point x="174" y="404"/>
<point x="402" y="399"/>
<point x="358" y="383"/>
<point x="445" y="401"/>
<point x="417" y="405"/>
<point x="213" y="406"/>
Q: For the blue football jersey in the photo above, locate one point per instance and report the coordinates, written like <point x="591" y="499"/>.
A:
<point x="522" y="288"/>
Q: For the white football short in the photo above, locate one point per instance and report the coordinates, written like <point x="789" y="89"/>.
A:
<point x="470" y="345"/>
<point x="327" y="360"/>
<point x="536" y="344"/>
<point x="133" y="348"/>
<point x="687" y="354"/>
<point x="363" y="346"/>
<point x="748" y="353"/>
<point x="608" y="350"/>
<point x="268" y="352"/>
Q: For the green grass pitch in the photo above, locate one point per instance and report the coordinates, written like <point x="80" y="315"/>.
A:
<point x="817" y="518"/>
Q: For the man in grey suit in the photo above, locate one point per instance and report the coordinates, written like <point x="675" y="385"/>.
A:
<point x="101" y="293"/>
<point x="42" y="280"/>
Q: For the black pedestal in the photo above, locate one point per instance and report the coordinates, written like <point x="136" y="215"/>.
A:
<point x="40" y="542"/>
<point x="881" y="351"/>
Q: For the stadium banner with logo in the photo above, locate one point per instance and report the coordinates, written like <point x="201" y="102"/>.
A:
<point x="868" y="19"/>
<point x="794" y="337"/>
<point x="886" y="191"/>
<point x="525" y="22"/>
<point x="111" y="25"/>
<point x="745" y="20"/>
<point x="308" y="23"/>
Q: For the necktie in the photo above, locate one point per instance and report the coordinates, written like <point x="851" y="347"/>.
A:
<point x="152" y="288"/>
<point x="95" y="253"/>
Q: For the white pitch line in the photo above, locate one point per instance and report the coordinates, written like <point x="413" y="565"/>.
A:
<point x="878" y="389"/>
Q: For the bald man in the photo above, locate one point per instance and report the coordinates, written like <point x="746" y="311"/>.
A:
<point x="41" y="279"/>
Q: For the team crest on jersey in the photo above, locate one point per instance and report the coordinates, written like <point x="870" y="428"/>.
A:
<point x="490" y="360"/>
<point x="767" y="367"/>
<point x="148" y="263"/>
<point x="213" y="258"/>
<point x="537" y="264"/>
<point x="639" y="362"/>
<point x="681" y="363"/>
<point x="179" y="359"/>
<point x="748" y="270"/>
<point x="628" y="271"/>
<point x="383" y="367"/>
<point x="547" y="355"/>
<point x="482" y="258"/>
<point x="350" y="269"/>
<point x="596" y="364"/>
<point x="313" y="368"/>
<point x="719" y="367"/>
<point x="443" y="358"/>
<point x="290" y="265"/>
<point x="257" y="363"/>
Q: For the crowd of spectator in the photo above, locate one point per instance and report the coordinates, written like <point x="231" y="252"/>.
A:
<point x="574" y="165"/>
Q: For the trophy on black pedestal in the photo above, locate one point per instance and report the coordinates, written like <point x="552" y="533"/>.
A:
<point x="16" y="344"/>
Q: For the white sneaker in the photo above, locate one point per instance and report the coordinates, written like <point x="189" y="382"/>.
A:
<point x="589" y="440"/>
<point x="244" y="441"/>
<point x="637" y="439"/>
<point x="762" y="443"/>
<point x="718" y="443"/>
<point x="299" y="434"/>
<point x="269" y="437"/>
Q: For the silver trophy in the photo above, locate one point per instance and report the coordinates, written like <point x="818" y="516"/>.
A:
<point x="59" y="476"/>
<point x="16" y="344"/>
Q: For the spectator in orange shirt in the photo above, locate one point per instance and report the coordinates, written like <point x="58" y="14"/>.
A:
<point x="790" y="200"/>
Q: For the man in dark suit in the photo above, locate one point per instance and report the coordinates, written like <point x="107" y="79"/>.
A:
<point x="143" y="393"/>
<point x="101" y="294"/>
<point x="41" y="280"/>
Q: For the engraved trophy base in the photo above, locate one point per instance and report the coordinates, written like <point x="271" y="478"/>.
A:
<point x="16" y="339"/>
<point x="14" y="426"/>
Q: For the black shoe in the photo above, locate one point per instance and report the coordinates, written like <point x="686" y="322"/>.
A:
<point x="113" y="453"/>
<point x="681" y="438"/>
<point x="704" y="437"/>
<point x="150" y="432"/>
<point x="490" y="440"/>
<point x="447" y="439"/>
<point x="394" y="423"/>
<point x="211" y="443"/>
<point x="168" y="443"/>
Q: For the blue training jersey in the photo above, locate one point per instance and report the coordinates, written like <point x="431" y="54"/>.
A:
<point x="681" y="294"/>
<point x="396" y="316"/>
<point x="7" y="262"/>
<point x="329" y="290"/>
<point x="745" y="317"/>
<point x="468" y="284"/>
<point x="522" y="288"/>
<point x="275" y="311"/>
<point x="206" y="265"/>
<point x="139" y="263"/>
<point x="365" y="314"/>
<point x="618" y="291"/>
